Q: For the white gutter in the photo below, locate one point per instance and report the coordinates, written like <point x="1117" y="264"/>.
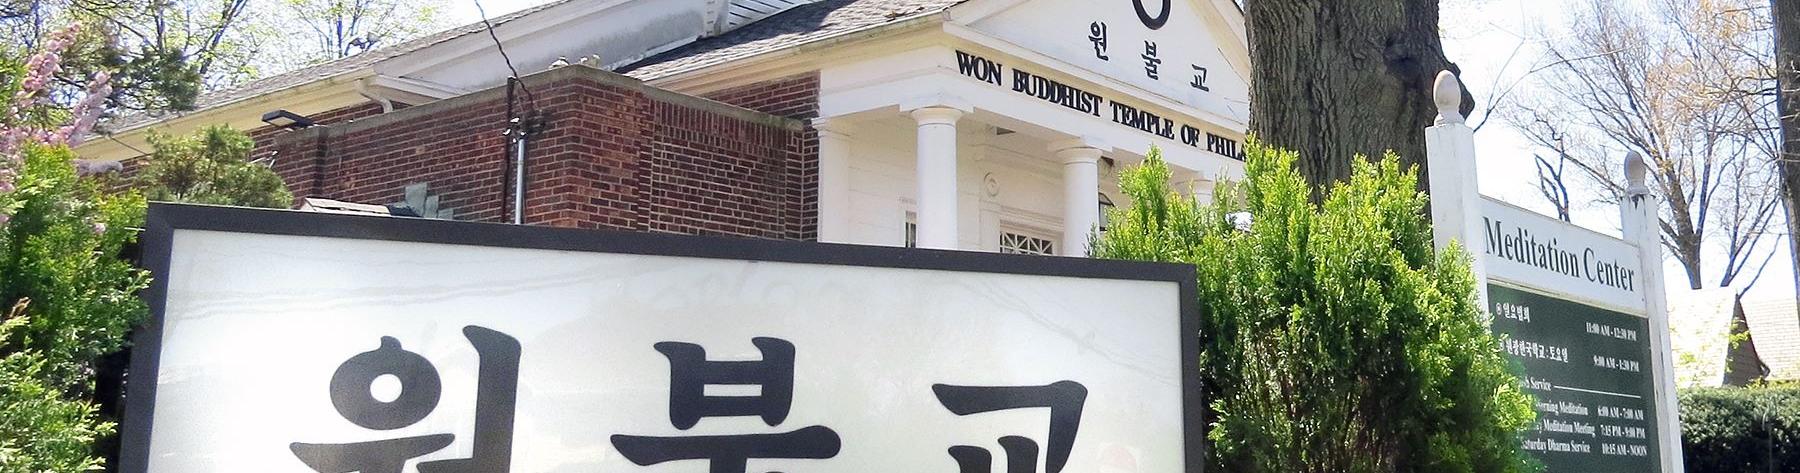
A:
<point x="362" y="88"/>
<point x="328" y="82"/>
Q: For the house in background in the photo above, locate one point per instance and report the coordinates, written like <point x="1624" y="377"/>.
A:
<point x="1774" y="326"/>
<point x="1708" y="342"/>
<point x="994" y="125"/>
<point x="1720" y="340"/>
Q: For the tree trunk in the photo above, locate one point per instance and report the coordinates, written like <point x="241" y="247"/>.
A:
<point x="1787" y="63"/>
<point x="1334" y="79"/>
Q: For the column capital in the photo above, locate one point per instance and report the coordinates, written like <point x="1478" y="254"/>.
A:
<point x="1080" y="142"/>
<point x="1079" y="150"/>
<point x="937" y="105"/>
<point x="937" y="115"/>
<point x="1189" y="175"/>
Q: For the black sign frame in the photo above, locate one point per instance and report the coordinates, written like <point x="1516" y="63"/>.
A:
<point x="164" y="220"/>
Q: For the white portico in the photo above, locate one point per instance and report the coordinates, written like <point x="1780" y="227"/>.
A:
<point x="1003" y="127"/>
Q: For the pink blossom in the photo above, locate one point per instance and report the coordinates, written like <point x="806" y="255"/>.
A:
<point x="99" y="228"/>
<point x="33" y="92"/>
<point x="88" y="111"/>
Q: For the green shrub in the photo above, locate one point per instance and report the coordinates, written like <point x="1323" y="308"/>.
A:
<point x="211" y="166"/>
<point x="66" y="297"/>
<point x="73" y="301"/>
<point x="1334" y="338"/>
<point x="40" y="429"/>
<point x="1741" y="429"/>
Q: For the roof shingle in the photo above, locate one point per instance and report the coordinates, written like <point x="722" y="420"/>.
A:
<point x="800" y="25"/>
<point x="1775" y="325"/>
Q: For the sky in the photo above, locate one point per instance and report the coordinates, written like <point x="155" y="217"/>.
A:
<point x="462" y="12"/>
<point x="1495" y="42"/>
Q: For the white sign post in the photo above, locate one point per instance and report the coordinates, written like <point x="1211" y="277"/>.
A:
<point x="1583" y="312"/>
<point x="297" y="342"/>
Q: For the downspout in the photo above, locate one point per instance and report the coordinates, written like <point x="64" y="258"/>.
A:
<point x="362" y="88"/>
<point x="515" y="133"/>
<point x="519" y="129"/>
<point x="519" y="179"/>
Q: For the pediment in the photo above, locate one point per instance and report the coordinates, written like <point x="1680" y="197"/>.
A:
<point x="1188" y="51"/>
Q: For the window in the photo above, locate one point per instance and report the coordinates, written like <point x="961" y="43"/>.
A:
<point x="912" y="230"/>
<point x="1022" y="244"/>
<point x="1106" y="207"/>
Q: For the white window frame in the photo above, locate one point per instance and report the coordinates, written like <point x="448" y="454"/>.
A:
<point x="1007" y="232"/>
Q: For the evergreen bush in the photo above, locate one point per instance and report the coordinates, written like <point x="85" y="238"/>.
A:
<point x="1334" y="338"/>
<point x="1741" y="429"/>
<point x="211" y="166"/>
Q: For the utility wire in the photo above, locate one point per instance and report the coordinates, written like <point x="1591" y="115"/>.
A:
<point x="530" y="99"/>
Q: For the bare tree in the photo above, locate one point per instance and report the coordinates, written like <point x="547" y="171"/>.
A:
<point x="1553" y="183"/>
<point x="333" y="29"/>
<point x="1677" y="83"/>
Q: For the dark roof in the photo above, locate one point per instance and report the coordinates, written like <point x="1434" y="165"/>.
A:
<point x="1775" y="324"/>
<point x="802" y="24"/>
<point x="324" y="70"/>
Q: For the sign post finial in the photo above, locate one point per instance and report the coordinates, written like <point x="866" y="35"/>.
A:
<point x="1635" y="170"/>
<point x="1447" y="93"/>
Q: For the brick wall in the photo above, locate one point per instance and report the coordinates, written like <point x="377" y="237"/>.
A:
<point x="614" y="154"/>
<point x="796" y="97"/>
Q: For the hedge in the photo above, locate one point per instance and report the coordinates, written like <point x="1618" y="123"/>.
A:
<point x="1741" y="429"/>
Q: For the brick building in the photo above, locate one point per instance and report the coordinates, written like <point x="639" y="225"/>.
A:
<point x="612" y="153"/>
<point x="993" y="125"/>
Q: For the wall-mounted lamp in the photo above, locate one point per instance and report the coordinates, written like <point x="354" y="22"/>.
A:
<point x="287" y="120"/>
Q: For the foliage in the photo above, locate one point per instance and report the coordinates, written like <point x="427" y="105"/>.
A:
<point x="212" y="166"/>
<point x="72" y="299"/>
<point x="1334" y="339"/>
<point x="161" y="53"/>
<point x="164" y="54"/>
<point x="1741" y="429"/>
<point x="40" y="430"/>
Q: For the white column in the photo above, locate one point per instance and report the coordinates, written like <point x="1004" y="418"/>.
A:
<point x="834" y="180"/>
<point x="1081" y="193"/>
<point x="937" y="175"/>
<point x="1639" y="220"/>
<point x="1450" y="168"/>
<point x="1194" y="185"/>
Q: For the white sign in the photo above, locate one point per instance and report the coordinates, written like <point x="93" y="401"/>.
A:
<point x="289" y="342"/>
<point x="1525" y="248"/>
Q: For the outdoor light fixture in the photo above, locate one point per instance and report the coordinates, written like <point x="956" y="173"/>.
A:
<point x="287" y="120"/>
